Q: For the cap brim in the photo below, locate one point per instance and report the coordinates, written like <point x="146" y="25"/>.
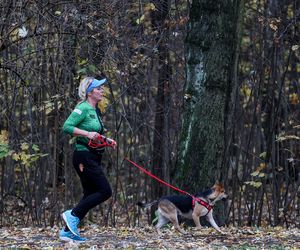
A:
<point x="98" y="83"/>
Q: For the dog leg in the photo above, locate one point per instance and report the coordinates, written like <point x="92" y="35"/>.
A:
<point x="174" y="219"/>
<point x="213" y="223"/>
<point x="196" y="219"/>
<point x="196" y="215"/>
<point x="168" y="210"/>
<point x="162" y="220"/>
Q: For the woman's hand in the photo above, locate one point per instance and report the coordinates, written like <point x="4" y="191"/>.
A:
<point x="92" y="135"/>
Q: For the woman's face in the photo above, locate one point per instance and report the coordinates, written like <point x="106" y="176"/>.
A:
<point x="97" y="93"/>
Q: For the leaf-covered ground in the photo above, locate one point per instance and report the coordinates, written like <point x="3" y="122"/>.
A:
<point x="146" y="238"/>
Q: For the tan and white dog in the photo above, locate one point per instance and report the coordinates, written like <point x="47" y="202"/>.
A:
<point x="169" y="207"/>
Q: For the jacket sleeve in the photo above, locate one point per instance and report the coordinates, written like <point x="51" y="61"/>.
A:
<point x="75" y="118"/>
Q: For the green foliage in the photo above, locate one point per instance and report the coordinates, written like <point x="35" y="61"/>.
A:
<point x="155" y="220"/>
<point x="25" y="157"/>
<point x="4" y="147"/>
<point x="140" y="20"/>
<point x="255" y="184"/>
<point x="86" y="68"/>
<point x="4" y="150"/>
<point x="257" y="175"/>
<point x="283" y="137"/>
<point x="263" y="155"/>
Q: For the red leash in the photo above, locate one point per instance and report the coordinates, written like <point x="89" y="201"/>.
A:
<point x="102" y="141"/>
<point x="203" y="203"/>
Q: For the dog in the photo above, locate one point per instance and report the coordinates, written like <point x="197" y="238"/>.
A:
<point x="169" y="207"/>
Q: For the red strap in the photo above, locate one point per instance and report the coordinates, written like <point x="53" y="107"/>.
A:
<point x="203" y="203"/>
<point x="102" y="141"/>
<point x="156" y="178"/>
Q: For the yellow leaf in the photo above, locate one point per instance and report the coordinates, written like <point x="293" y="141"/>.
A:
<point x="294" y="98"/>
<point x="4" y="136"/>
<point x="102" y="105"/>
<point x="187" y="96"/>
<point x="287" y="137"/>
<point x="49" y="107"/>
<point x="246" y="91"/>
<point x="90" y="26"/>
<point x="261" y="166"/>
<point x="298" y="67"/>
<point x="14" y="34"/>
<point x="255" y="184"/>
<point x="15" y="157"/>
<point x="72" y="140"/>
<point x="255" y="173"/>
<point x="273" y="26"/>
<point x="150" y="6"/>
<point x="82" y="62"/>
<point x="24" y="146"/>
<point x="140" y="20"/>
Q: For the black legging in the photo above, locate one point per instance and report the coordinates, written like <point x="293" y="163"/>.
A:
<point x="96" y="188"/>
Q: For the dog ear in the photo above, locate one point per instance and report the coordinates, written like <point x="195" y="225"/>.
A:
<point x="217" y="183"/>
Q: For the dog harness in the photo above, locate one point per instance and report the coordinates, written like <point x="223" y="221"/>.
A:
<point x="203" y="203"/>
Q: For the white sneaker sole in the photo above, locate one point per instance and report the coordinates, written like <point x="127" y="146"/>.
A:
<point x="67" y="239"/>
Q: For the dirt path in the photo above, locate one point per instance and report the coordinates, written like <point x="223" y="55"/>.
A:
<point x="146" y="238"/>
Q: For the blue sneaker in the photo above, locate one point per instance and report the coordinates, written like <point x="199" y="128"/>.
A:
<point x="72" y="222"/>
<point x="68" y="236"/>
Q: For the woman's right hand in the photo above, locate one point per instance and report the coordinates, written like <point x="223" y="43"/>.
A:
<point x="92" y="135"/>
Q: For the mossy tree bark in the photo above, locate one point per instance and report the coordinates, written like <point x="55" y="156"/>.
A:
<point x="211" y="53"/>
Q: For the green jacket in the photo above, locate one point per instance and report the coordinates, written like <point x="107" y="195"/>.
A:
<point x="84" y="116"/>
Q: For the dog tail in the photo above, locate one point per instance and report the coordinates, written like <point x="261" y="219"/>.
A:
<point x="146" y="205"/>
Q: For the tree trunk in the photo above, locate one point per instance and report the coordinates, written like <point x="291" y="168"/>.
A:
<point x="211" y="52"/>
<point x="163" y="70"/>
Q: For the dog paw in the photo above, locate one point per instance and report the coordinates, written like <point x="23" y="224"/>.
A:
<point x="183" y="232"/>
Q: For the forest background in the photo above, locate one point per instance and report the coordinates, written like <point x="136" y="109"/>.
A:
<point x="46" y="47"/>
